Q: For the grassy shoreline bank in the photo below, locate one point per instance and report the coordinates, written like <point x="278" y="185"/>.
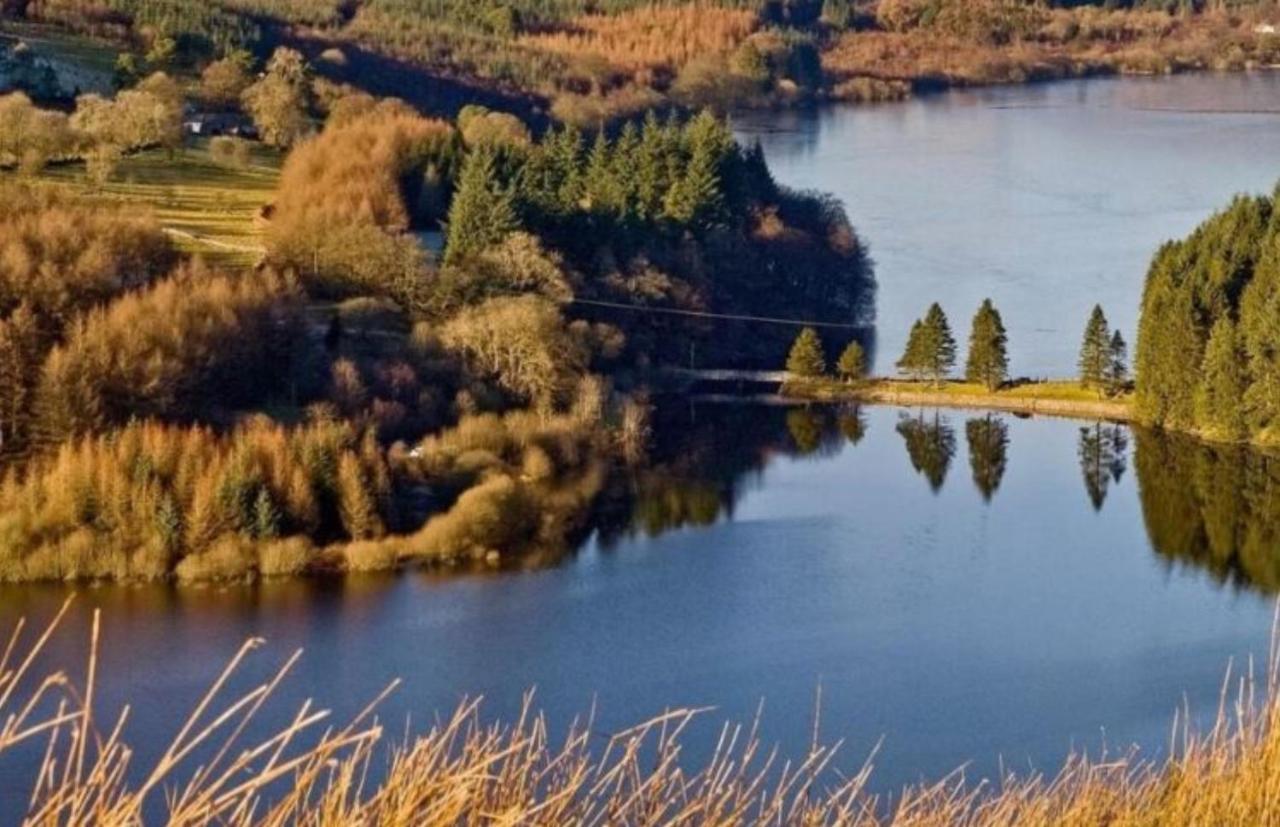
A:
<point x="1052" y="398"/>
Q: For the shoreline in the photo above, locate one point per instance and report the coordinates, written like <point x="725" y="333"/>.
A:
<point x="1052" y="400"/>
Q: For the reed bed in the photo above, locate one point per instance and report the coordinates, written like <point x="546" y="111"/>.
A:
<point x="223" y="768"/>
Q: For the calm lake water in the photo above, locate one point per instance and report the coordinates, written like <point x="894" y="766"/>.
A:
<point x="964" y="586"/>
<point x="1045" y="198"/>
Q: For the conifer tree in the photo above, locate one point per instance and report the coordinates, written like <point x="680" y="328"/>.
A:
<point x="1117" y="363"/>
<point x="806" y="359"/>
<point x="1095" y="351"/>
<point x="266" y="517"/>
<point x="988" y="362"/>
<point x="852" y="364"/>
<point x="939" y="346"/>
<point x="1220" y="394"/>
<point x="912" y="361"/>
<point x="625" y="160"/>
<point x="649" y="176"/>
<point x="696" y="196"/>
<point x="603" y="192"/>
<point x="482" y="213"/>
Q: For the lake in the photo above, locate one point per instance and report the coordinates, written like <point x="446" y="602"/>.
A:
<point x="964" y="586"/>
<point x="968" y="588"/>
<point x="1046" y="198"/>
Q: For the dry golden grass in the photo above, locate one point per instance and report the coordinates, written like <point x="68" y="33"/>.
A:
<point x="650" y="37"/>
<point x="223" y="768"/>
<point x="1069" y="43"/>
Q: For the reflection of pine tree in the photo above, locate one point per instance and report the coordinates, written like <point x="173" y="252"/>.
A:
<point x="1119" y="452"/>
<point x="988" y="452"/>
<point x="930" y="446"/>
<point x="1103" y="459"/>
<point x="852" y="424"/>
<point x="805" y="426"/>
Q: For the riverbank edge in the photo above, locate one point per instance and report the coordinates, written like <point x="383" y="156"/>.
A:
<point x="919" y="394"/>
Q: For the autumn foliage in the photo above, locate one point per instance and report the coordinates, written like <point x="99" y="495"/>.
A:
<point x="150" y="499"/>
<point x="650" y="37"/>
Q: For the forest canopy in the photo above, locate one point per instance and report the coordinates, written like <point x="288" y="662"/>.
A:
<point x="665" y="215"/>
<point x="1208" y="352"/>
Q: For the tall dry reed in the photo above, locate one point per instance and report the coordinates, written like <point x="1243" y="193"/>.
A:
<point x="224" y="767"/>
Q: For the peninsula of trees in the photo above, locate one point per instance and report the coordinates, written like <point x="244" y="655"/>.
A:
<point x="361" y="398"/>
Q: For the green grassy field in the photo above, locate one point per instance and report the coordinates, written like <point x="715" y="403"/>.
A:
<point x="209" y="208"/>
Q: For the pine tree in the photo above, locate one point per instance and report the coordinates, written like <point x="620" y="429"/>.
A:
<point x="988" y="362"/>
<point x="483" y="212"/>
<point x="602" y="191"/>
<point x="852" y="364"/>
<point x="266" y="517"/>
<point x="649" y="176"/>
<point x="806" y="359"/>
<point x="696" y="198"/>
<point x="1095" y="351"/>
<point x="912" y="362"/>
<point x="1220" y="394"/>
<point x="1117" y="364"/>
<point x="624" y="162"/>
<point x="939" y="345"/>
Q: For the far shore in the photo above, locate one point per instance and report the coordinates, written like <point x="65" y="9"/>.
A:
<point x="1063" y="398"/>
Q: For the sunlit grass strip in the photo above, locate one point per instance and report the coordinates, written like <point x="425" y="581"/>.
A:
<point x="207" y="207"/>
<point x="464" y="771"/>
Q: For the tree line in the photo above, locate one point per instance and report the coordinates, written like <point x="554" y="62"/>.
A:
<point x="930" y="353"/>
<point x="666" y="214"/>
<point x="1208" y="354"/>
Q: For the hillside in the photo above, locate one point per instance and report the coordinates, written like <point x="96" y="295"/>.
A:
<point x="588" y="62"/>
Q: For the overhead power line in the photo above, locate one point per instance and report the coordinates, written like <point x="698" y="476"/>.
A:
<point x="671" y="311"/>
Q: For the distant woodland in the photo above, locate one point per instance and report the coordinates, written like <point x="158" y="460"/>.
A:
<point x="591" y="62"/>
